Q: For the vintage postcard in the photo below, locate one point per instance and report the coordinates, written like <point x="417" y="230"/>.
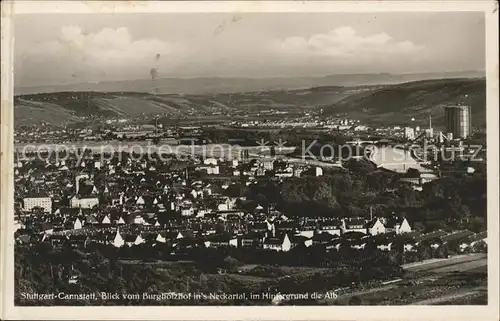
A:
<point x="249" y="160"/>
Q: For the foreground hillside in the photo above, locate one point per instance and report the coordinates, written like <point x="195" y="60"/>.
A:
<point x="399" y="103"/>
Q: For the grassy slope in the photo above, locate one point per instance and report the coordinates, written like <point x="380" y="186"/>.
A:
<point x="398" y="103"/>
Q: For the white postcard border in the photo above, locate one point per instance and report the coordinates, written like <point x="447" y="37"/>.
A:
<point x="9" y="311"/>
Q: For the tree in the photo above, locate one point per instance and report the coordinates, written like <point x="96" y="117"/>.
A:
<point x="413" y="173"/>
<point x="480" y="247"/>
<point x="231" y="263"/>
<point x="355" y="300"/>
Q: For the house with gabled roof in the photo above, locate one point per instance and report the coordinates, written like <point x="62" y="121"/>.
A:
<point x="332" y="227"/>
<point x="186" y="243"/>
<point x="149" y="238"/>
<point x="258" y="227"/>
<point x="78" y="240"/>
<point x="299" y="240"/>
<point x="353" y="225"/>
<point x="221" y="240"/>
<point x="433" y="238"/>
<point x="91" y="220"/>
<point x="46" y="228"/>
<point x="132" y="239"/>
<point x="161" y="237"/>
<point x="397" y="224"/>
<point x="322" y="238"/>
<point x="252" y="239"/>
<point x="140" y="201"/>
<point x="358" y="244"/>
<point x="474" y="239"/>
<point x="105" y="220"/>
<point x="385" y="244"/>
<point x="136" y="218"/>
<point x="24" y="239"/>
<point x="335" y="244"/>
<point x="58" y="240"/>
<point x="375" y="227"/>
<point x="68" y="211"/>
<point x="286" y="227"/>
<point x="117" y="240"/>
<point x="455" y="239"/>
<point x="405" y="242"/>
<point x="277" y="243"/>
<point x="84" y="202"/>
<point x="77" y="224"/>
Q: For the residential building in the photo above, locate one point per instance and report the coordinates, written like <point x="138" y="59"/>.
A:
<point x="84" y="202"/>
<point x="409" y="133"/>
<point x="44" y="203"/>
<point x="399" y="225"/>
<point x="278" y="243"/>
<point x="375" y="227"/>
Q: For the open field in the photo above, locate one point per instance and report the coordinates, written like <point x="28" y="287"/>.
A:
<point x="456" y="280"/>
<point x="430" y="282"/>
<point x="458" y="296"/>
<point x="479" y="297"/>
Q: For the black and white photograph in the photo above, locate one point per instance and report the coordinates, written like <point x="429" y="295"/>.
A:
<point x="251" y="157"/>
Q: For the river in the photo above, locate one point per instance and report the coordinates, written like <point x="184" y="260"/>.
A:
<point x="396" y="159"/>
<point x="390" y="158"/>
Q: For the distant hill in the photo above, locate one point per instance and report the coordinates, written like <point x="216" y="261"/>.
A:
<point x="68" y="107"/>
<point x="398" y="103"/>
<point x="233" y="85"/>
<point x="389" y="104"/>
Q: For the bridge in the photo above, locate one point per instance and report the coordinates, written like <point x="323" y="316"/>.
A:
<point x="360" y="142"/>
<point x="418" y="181"/>
<point x="404" y="165"/>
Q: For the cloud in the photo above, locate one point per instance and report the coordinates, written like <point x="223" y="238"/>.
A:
<point x="107" y="51"/>
<point x="345" y="42"/>
<point x="111" y="45"/>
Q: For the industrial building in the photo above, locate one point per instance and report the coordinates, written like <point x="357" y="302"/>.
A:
<point x="457" y="121"/>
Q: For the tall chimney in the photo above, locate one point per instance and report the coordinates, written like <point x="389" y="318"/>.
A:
<point x="77" y="184"/>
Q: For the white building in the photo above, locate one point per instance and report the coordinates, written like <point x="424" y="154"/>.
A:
<point x="118" y="240"/>
<point x="43" y="202"/>
<point x="77" y="224"/>
<point x="376" y="227"/>
<point x="210" y="169"/>
<point x="409" y="133"/>
<point x="277" y="244"/>
<point x="84" y="202"/>
<point x="268" y="165"/>
<point x="210" y="161"/>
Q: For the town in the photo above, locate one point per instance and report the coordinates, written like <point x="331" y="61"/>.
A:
<point x="242" y="203"/>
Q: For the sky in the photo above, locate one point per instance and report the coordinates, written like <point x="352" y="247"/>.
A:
<point x="76" y="48"/>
